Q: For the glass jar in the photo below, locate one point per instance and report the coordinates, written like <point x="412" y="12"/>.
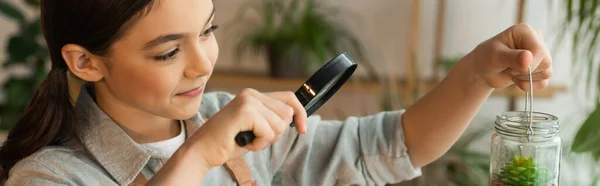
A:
<point x="517" y="158"/>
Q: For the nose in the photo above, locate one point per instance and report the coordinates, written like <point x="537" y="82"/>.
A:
<point x="198" y="64"/>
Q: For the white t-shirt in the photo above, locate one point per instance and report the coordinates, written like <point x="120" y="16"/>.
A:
<point x="168" y="146"/>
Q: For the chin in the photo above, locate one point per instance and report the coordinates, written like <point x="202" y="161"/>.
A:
<point x="183" y="115"/>
<point x="183" y="109"/>
<point x="187" y="111"/>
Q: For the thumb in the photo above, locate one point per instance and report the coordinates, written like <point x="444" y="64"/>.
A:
<point x="518" y="60"/>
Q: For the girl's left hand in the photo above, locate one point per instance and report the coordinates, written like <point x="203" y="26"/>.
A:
<point x="505" y="58"/>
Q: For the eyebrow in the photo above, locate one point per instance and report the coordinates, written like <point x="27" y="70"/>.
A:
<point x="171" y="37"/>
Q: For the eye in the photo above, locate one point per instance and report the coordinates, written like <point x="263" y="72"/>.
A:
<point x="210" y="30"/>
<point x="167" y="56"/>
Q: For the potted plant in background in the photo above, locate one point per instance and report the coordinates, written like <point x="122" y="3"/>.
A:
<point x="297" y="36"/>
<point x="25" y="49"/>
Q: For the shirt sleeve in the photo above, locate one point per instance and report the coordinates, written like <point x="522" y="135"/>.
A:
<point x="31" y="173"/>
<point x="357" y="151"/>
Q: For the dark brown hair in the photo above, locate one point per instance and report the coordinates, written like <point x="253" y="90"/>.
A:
<point x="50" y="118"/>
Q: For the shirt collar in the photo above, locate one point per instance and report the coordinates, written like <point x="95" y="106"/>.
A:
<point x="114" y="150"/>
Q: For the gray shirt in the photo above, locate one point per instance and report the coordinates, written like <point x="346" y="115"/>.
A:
<point x="356" y="151"/>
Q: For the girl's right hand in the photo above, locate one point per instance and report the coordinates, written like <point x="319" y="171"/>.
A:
<point x="268" y="115"/>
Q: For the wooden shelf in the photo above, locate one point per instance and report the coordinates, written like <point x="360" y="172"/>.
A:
<point x="547" y="92"/>
<point x="258" y="82"/>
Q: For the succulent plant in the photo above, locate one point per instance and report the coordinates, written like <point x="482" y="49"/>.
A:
<point x="522" y="171"/>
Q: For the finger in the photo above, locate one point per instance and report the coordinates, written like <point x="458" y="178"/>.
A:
<point x="254" y="121"/>
<point x="547" y="61"/>
<point x="527" y="38"/>
<point x="261" y="129"/>
<point x="290" y="99"/>
<point x="524" y="85"/>
<point x="277" y="114"/>
<point x="517" y="60"/>
<point x="276" y="122"/>
<point x="540" y="36"/>
<point x="542" y="67"/>
<point x="546" y="74"/>
<point x="281" y="103"/>
<point x="280" y="108"/>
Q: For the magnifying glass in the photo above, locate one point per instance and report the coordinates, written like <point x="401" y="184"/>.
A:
<point x="317" y="89"/>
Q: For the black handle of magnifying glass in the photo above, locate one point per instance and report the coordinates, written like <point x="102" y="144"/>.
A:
<point x="246" y="137"/>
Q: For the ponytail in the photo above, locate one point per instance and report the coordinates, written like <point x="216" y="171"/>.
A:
<point x="48" y="120"/>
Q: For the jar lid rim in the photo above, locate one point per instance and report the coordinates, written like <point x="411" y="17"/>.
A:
<point x="538" y="117"/>
<point x="516" y="123"/>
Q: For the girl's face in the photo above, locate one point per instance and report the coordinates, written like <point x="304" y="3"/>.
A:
<point x="162" y="63"/>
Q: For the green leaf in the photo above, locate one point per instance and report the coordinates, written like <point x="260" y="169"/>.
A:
<point x="569" y="10"/>
<point x="596" y="180"/>
<point x="576" y="41"/>
<point x="593" y="43"/>
<point x="18" y="92"/>
<point x="11" y="12"/>
<point x="587" y="138"/>
<point x="590" y="17"/>
<point x="596" y="155"/>
<point x="595" y="6"/>
<point x="597" y="81"/>
<point x="20" y="47"/>
<point x="9" y="117"/>
<point x="589" y="77"/>
<point x="582" y="15"/>
<point x="33" y="29"/>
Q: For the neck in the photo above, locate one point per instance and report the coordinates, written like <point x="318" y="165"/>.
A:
<point x="141" y="126"/>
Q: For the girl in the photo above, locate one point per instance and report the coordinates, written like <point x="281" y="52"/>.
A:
<point x="140" y="115"/>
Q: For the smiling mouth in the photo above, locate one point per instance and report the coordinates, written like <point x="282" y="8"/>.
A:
<point x="193" y="92"/>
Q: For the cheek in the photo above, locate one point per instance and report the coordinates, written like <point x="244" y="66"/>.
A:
<point x="213" y="51"/>
<point x="143" y="86"/>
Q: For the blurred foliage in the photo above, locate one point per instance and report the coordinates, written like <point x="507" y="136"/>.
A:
<point x="587" y="138"/>
<point x="24" y="48"/>
<point x="449" y="62"/>
<point x="582" y="27"/>
<point x="296" y="31"/>
<point x="459" y="166"/>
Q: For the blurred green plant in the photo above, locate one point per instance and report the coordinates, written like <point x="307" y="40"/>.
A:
<point x="449" y="62"/>
<point x="295" y="34"/>
<point x="24" y="48"/>
<point x="461" y="165"/>
<point x="596" y="181"/>
<point x="582" y="24"/>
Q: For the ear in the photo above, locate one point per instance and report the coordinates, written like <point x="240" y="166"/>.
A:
<point x="82" y="63"/>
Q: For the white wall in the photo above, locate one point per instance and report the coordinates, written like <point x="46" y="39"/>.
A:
<point x="383" y="26"/>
